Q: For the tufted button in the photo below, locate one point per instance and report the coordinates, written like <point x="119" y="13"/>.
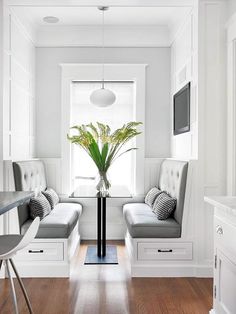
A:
<point x="25" y="176"/>
<point x="177" y="174"/>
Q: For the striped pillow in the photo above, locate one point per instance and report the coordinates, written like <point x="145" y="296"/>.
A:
<point x="39" y="207"/>
<point x="164" y="206"/>
<point x="151" y="196"/>
<point x="51" y="196"/>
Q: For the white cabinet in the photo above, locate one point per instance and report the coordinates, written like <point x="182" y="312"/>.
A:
<point x="224" y="292"/>
<point x="225" y="284"/>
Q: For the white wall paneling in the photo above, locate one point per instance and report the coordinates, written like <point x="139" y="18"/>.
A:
<point x="231" y="119"/>
<point x="184" y="70"/>
<point x="152" y="169"/>
<point x="211" y="178"/>
<point x="1" y="97"/>
<point x="19" y="76"/>
<point x="231" y="8"/>
<point x="53" y="173"/>
<point x="1" y="116"/>
<point x="17" y="102"/>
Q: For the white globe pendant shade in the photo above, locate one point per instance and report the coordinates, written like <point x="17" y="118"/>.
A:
<point x="102" y="97"/>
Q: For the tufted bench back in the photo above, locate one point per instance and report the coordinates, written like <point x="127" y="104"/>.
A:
<point x="29" y="175"/>
<point x="172" y="179"/>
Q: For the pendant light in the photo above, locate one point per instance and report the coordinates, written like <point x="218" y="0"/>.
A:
<point x="102" y="97"/>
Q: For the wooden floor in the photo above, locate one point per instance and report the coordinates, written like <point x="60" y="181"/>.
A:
<point x="110" y="289"/>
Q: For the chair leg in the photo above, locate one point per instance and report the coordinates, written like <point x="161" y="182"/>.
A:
<point x="0" y="264"/>
<point x="22" y="287"/>
<point x="12" y="288"/>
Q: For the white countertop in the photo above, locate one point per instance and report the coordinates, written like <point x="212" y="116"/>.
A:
<point x="226" y="203"/>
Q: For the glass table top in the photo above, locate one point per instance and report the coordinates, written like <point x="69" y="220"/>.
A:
<point x="88" y="191"/>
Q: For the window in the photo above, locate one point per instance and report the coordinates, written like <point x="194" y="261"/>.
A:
<point x="78" y="73"/>
<point x="83" y="112"/>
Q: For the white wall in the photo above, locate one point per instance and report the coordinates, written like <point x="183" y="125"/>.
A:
<point x="184" y="70"/>
<point x="48" y="93"/>
<point x="231" y="8"/>
<point x="212" y="109"/>
<point x="1" y="95"/>
<point x="19" y="90"/>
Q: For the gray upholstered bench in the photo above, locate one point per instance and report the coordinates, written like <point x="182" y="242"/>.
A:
<point x="150" y="240"/>
<point x="59" y="223"/>
<point x="143" y="223"/>
<point x="58" y="234"/>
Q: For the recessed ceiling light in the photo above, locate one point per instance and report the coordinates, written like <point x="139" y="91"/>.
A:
<point x="51" y="19"/>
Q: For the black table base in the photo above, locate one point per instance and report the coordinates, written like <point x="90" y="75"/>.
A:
<point x="101" y="226"/>
<point x="102" y="254"/>
<point x="93" y="259"/>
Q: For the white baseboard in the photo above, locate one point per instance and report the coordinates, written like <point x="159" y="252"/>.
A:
<point x="212" y="311"/>
<point x="2" y="272"/>
<point x="171" y="271"/>
<point x="43" y="269"/>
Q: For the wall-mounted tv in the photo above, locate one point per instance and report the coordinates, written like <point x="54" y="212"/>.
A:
<point x="181" y="110"/>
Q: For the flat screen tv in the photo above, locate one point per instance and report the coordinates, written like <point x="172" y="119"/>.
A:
<point x="181" y="110"/>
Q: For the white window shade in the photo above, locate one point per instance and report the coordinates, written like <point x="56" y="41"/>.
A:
<point x="83" y="112"/>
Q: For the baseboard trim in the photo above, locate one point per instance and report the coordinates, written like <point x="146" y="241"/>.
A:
<point x="171" y="271"/>
<point x="212" y="311"/>
<point x="43" y="269"/>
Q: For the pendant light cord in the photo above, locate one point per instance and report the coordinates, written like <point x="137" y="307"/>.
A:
<point x="103" y="59"/>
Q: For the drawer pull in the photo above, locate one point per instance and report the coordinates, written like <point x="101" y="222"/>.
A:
<point x="219" y="230"/>
<point x="165" y="250"/>
<point x="35" y="251"/>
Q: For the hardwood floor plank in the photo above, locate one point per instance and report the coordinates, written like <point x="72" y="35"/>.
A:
<point x="109" y="289"/>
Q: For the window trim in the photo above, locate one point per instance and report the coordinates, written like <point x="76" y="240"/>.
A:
<point x="92" y="72"/>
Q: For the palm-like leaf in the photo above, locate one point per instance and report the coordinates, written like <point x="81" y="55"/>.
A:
<point x="102" y="146"/>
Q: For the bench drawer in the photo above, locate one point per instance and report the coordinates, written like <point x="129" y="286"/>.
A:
<point x="148" y="251"/>
<point x="42" y="251"/>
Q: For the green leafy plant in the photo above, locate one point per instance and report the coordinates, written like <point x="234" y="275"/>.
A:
<point x="102" y="145"/>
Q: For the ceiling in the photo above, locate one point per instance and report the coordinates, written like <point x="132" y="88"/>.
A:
<point x="114" y="16"/>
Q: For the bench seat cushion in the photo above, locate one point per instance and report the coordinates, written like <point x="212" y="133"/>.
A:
<point x="59" y="223"/>
<point x="143" y="223"/>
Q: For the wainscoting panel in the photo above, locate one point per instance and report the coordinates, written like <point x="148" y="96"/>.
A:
<point x="53" y="173"/>
<point x="19" y="90"/>
<point x="152" y="168"/>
